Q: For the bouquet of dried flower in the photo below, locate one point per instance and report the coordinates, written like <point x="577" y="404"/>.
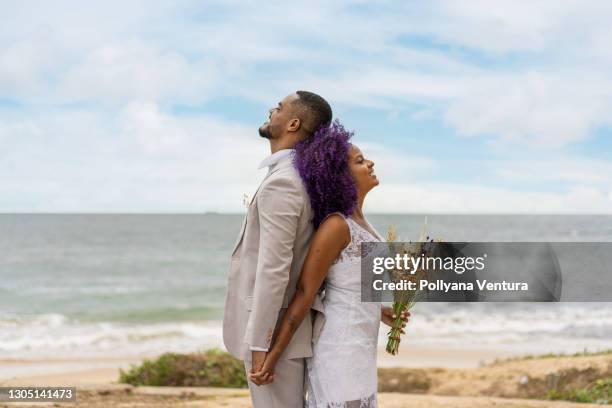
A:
<point x="405" y="299"/>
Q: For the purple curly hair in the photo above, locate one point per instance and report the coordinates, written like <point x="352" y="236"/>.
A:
<point x="322" y="162"/>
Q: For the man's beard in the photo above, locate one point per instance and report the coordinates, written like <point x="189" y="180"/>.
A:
<point x="264" y="132"/>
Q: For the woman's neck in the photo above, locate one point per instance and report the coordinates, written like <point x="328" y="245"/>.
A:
<point x="358" y="211"/>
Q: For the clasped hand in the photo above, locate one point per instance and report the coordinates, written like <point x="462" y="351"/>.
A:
<point x="262" y="368"/>
<point x="264" y="363"/>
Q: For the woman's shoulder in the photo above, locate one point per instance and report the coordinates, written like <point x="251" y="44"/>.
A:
<point x="335" y="225"/>
<point x="335" y="222"/>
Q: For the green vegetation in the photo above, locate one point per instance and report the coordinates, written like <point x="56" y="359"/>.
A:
<point x="211" y="368"/>
<point x="584" y="353"/>
<point x="600" y="392"/>
<point x="216" y="368"/>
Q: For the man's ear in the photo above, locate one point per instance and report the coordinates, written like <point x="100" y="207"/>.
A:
<point x="294" y="125"/>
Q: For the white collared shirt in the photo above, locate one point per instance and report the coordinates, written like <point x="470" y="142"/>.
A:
<point x="274" y="158"/>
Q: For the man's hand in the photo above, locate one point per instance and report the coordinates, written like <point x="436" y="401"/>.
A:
<point x="387" y="316"/>
<point x="265" y="375"/>
<point x="258" y="358"/>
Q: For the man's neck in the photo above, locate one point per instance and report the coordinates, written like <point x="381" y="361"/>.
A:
<point x="276" y="145"/>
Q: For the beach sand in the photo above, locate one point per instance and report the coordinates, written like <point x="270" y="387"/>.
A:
<point x="448" y="384"/>
<point x="156" y="397"/>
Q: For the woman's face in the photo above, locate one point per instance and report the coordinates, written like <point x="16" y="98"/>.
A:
<point x="362" y="170"/>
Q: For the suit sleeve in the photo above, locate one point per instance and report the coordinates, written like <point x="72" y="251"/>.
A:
<point x="279" y="206"/>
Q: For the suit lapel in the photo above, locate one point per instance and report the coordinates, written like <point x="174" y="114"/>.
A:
<point x="281" y="164"/>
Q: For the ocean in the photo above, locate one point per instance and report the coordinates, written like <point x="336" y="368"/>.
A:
<point x="139" y="285"/>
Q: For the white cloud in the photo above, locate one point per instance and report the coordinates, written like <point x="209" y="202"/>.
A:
<point x="25" y="64"/>
<point x="391" y="165"/>
<point x="540" y="109"/>
<point x="136" y="70"/>
<point x="12" y="132"/>
<point x="534" y="74"/>
<point x="154" y="130"/>
<point x="141" y="160"/>
<point x="544" y="97"/>
<point x="565" y="168"/>
<point x="461" y="198"/>
<point x="523" y="74"/>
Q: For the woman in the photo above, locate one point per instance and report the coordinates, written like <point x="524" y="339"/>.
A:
<point x="342" y="371"/>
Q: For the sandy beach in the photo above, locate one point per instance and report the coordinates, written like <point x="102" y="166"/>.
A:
<point x="460" y="383"/>
<point x="130" y="397"/>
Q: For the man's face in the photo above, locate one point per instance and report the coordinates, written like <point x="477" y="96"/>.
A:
<point x="278" y="118"/>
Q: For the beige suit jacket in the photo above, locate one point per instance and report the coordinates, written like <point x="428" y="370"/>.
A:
<point x="265" y="267"/>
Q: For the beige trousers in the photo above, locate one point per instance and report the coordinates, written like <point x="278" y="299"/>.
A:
<point x="287" y="390"/>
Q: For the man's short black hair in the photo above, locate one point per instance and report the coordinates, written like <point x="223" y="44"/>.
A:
<point x="316" y="111"/>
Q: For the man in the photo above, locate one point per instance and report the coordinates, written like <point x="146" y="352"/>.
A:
<point x="268" y="257"/>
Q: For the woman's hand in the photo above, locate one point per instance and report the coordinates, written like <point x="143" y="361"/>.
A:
<point x="387" y="316"/>
<point x="266" y="374"/>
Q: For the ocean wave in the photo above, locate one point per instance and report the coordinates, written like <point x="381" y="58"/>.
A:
<point x="57" y="335"/>
<point x="486" y="319"/>
<point x="551" y="327"/>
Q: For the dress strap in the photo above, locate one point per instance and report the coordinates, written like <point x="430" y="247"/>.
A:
<point x="351" y="224"/>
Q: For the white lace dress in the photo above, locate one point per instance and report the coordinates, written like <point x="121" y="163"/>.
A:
<point x="342" y="370"/>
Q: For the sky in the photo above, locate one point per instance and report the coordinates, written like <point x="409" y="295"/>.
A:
<point x="154" y="106"/>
